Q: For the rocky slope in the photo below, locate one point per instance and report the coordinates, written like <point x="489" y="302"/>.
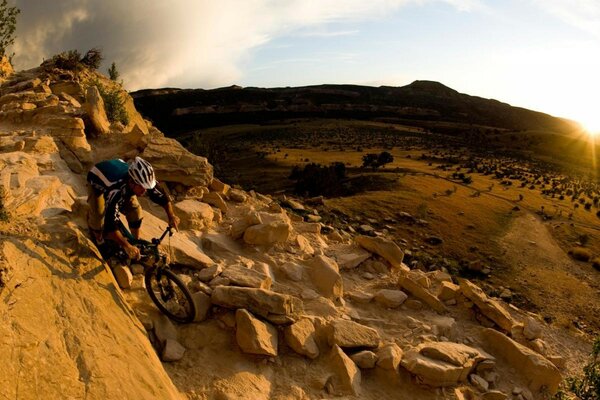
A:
<point x="287" y="308"/>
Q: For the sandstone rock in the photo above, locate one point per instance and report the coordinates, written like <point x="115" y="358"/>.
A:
<point x="203" y="304"/>
<point x="494" y="395"/>
<point x="254" y="336"/>
<point x="304" y="245"/>
<point x="70" y="99"/>
<point x="237" y="195"/>
<point x="259" y="301"/>
<point x="488" y="307"/>
<point x="94" y="107"/>
<point x="136" y="137"/>
<point x="346" y="376"/>
<point x="389" y="356"/>
<point x="360" y="297"/>
<point x="172" y="351"/>
<point x="242" y="276"/>
<point x="308" y="227"/>
<point x="6" y="68"/>
<point x="364" y="359"/>
<point x="267" y="234"/>
<point x="532" y="329"/>
<point x="325" y="275"/>
<point x="481" y="384"/>
<point x="535" y="368"/>
<point x="209" y="273"/>
<point x="348" y="256"/>
<point x="420" y="277"/>
<point x="390" y="298"/>
<point x="194" y="214"/>
<point x="385" y="248"/>
<point x="349" y="335"/>
<point x="301" y="338"/>
<point x="293" y="271"/>
<point x="219" y="187"/>
<point x="173" y="163"/>
<point x="164" y="329"/>
<point x="123" y="276"/>
<point x="447" y="291"/>
<point x="442" y="363"/>
<point x="71" y="88"/>
<point x="422" y="294"/>
<point x="215" y="199"/>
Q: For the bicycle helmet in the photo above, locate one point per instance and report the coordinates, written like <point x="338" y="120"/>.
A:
<point x="142" y="173"/>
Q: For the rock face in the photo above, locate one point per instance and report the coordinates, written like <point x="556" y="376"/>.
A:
<point x="254" y="336"/>
<point x="442" y="363"/>
<point x="346" y="376"/>
<point x="5" y="68"/>
<point x="488" y="307"/>
<point x="385" y="248"/>
<point x="349" y="334"/>
<point x="173" y="163"/>
<point x="540" y="372"/>
<point x="300" y="336"/>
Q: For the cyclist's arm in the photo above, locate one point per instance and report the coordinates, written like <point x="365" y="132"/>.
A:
<point x="159" y="196"/>
<point x="111" y="224"/>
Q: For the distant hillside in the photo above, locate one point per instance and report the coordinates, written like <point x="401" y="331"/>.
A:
<point x="422" y="103"/>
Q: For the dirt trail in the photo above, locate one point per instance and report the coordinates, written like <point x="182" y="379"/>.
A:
<point x="540" y="270"/>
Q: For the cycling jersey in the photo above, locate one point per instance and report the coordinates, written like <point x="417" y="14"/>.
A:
<point x="110" y="179"/>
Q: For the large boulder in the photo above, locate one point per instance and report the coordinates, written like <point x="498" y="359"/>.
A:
<point x="94" y="107"/>
<point x="325" y="275"/>
<point x="194" y="214"/>
<point x="442" y="363"/>
<point x="346" y="377"/>
<point x="259" y="301"/>
<point x="267" y="234"/>
<point x="385" y="248"/>
<point x="300" y="336"/>
<point x="492" y="309"/>
<point x="255" y="336"/>
<point x="348" y="256"/>
<point x="539" y="372"/>
<point x="351" y="335"/>
<point x="173" y="163"/>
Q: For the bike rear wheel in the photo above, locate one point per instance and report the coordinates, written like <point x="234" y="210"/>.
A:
<point x="170" y="295"/>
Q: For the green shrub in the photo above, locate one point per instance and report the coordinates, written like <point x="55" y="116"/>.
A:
<point x="113" y="72"/>
<point x="73" y="61"/>
<point x="586" y="387"/>
<point x="580" y="254"/>
<point x="92" y="59"/>
<point x="114" y="105"/>
<point x="8" y="24"/>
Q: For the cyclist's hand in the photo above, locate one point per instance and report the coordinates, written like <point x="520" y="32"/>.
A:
<point x="132" y="252"/>
<point x="174" y="222"/>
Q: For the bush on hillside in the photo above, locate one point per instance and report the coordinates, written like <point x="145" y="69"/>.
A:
<point x="586" y="387"/>
<point x="315" y="179"/>
<point x="8" y="25"/>
<point x="580" y="254"/>
<point x="72" y="60"/>
<point x="114" y="105"/>
<point x="377" y="160"/>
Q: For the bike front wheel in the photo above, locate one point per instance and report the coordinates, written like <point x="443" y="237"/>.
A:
<point x="170" y="295"/>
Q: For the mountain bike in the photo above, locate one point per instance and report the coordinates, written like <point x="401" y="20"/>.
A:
<point x="166" y="289"/>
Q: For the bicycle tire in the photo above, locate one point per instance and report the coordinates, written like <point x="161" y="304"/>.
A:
<point x="163" y="300"/>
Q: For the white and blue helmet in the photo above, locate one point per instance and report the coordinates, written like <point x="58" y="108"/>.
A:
<point x="142" y="173"/>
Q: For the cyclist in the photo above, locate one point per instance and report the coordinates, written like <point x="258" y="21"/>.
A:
<point x="114" y="187"/>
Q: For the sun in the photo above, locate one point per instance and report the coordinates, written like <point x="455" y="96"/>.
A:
<point x="592" y="126"/>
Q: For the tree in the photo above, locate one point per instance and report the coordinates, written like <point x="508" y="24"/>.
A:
<point x="8" y="24"/>
<point x="384" y="158"/>
<point x="113" y="73"/>
<point x="377" y="160"/>
<point x="92" y="58"/>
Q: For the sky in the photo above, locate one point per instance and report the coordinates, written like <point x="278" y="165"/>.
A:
<point x="538" y="54"/>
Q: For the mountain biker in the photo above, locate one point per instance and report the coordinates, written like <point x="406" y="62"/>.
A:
<point x="114" y="187"/>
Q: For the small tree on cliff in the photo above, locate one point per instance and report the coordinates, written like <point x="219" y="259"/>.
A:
<point x="8" y="24"/>
<point x="113" y="73"/>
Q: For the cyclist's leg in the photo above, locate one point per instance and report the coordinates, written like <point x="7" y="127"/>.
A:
<point x="133" y="213"/>
<point x="95" y="217"/>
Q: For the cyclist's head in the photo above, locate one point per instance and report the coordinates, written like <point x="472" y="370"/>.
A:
<point x="141" y="173"/>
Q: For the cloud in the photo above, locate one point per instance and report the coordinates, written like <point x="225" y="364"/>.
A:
<point x="583" y="14"/>
<point x="184" y="43"/>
